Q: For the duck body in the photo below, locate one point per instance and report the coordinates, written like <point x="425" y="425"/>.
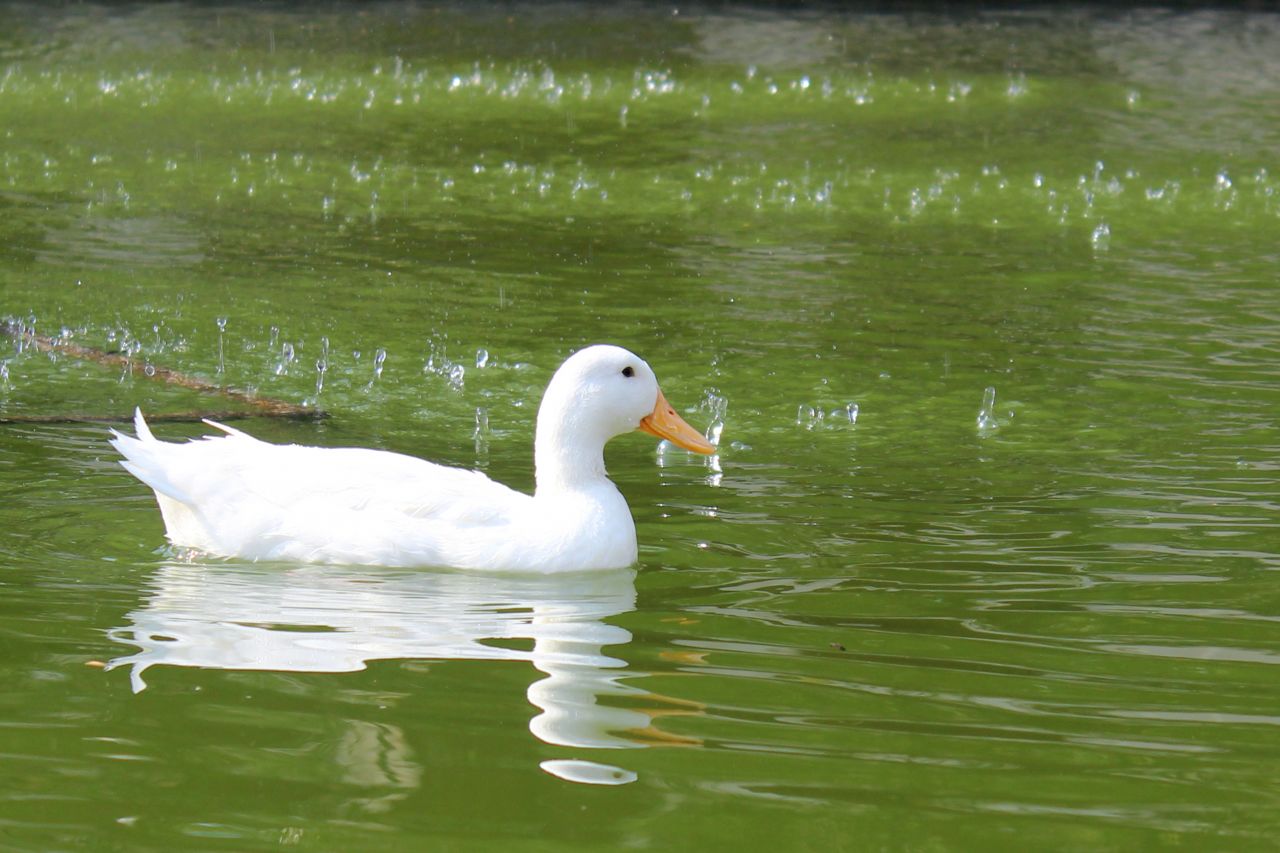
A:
<point x="234" y="495"/>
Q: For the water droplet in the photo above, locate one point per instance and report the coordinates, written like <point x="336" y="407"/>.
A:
<point x="716" y="476"/>
<point x="322" y="365"/>
<point x="716" y="406"/>
<point x="714" y="432"/>
<point x="482" y="357"/>
<point x="456" y="374"/>
<point x="222" y="328"/>
<point x="986" y="415"/>
<point x="808" y="416"/>
<point x="379" y="358"/>
<point x="481" y="433"/>
<point x="1101" y="237"/>
<point x="287" y="356"/>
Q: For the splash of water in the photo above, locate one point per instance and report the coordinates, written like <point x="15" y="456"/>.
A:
<point x="322" y="365"/>
<point x="1101" y="237"/>
<point x="716" y="405"/>
<point x="715" y="473"/>
<point x="222" y="329"/>
<point x="809" y="417"/>
<point x="986" y="415"/>
<point x="287" y="357"/>
<point x="451" y="371"/>
<point x="482" y="432"/>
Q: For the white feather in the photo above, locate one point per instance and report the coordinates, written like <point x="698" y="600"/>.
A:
<point x="234" y="495"/>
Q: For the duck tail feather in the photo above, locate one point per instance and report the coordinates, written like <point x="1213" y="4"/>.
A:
<point x="140" y="426"/>
<point x="228" y="430"/>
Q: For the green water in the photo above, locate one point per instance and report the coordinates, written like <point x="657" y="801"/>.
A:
<point x="1046" y="625"/>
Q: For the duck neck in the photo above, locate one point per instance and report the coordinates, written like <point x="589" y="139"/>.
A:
<point x="566" y="457"/>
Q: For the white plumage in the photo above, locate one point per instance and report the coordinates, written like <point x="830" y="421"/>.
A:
<point x="234" y="495"/>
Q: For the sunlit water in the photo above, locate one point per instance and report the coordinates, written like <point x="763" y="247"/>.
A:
<point x="980" y="309"/>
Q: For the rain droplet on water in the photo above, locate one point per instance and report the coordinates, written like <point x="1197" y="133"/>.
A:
<point x="379" y="358"/>
<point x="456" y="375"/>
<point x="481" y="434"/>
<point x="986" y="415"/>
<point x="660" y="452"/>
<point x="809" y="417"/>
<point x="716" y="475"/>
<point x="482" y="357"/>
<point x="286" y="358"/>
<point x="322" y="365"/>
<point x="714" y="431"/>
<point x="222" y="328"/>
<point x="1101" y="237"/>
<point x="716" y="405"/>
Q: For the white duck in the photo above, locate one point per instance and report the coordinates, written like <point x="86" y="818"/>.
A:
<point x="236" y="496"/>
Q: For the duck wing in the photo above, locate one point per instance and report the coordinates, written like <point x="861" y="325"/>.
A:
<point x="237" y="495"/>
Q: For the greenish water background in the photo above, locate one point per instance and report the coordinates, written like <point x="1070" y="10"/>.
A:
<point x="1044" y="625"/>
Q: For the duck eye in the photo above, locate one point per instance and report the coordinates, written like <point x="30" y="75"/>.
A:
<point x="628" y="371"/>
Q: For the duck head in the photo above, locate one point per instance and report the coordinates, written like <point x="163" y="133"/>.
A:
<point x="601" y="392"/>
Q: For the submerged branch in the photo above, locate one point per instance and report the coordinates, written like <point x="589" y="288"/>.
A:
<point x="161" y="417"/>
<point x="257" y="406"/>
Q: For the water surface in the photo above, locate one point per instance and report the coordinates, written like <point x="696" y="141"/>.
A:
<point x="984" y="305"/>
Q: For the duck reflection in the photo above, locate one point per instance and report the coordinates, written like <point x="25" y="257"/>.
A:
<point x="238" y="616"/>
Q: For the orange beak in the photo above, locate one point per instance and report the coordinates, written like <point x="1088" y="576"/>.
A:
<point x="665" y="423"/>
